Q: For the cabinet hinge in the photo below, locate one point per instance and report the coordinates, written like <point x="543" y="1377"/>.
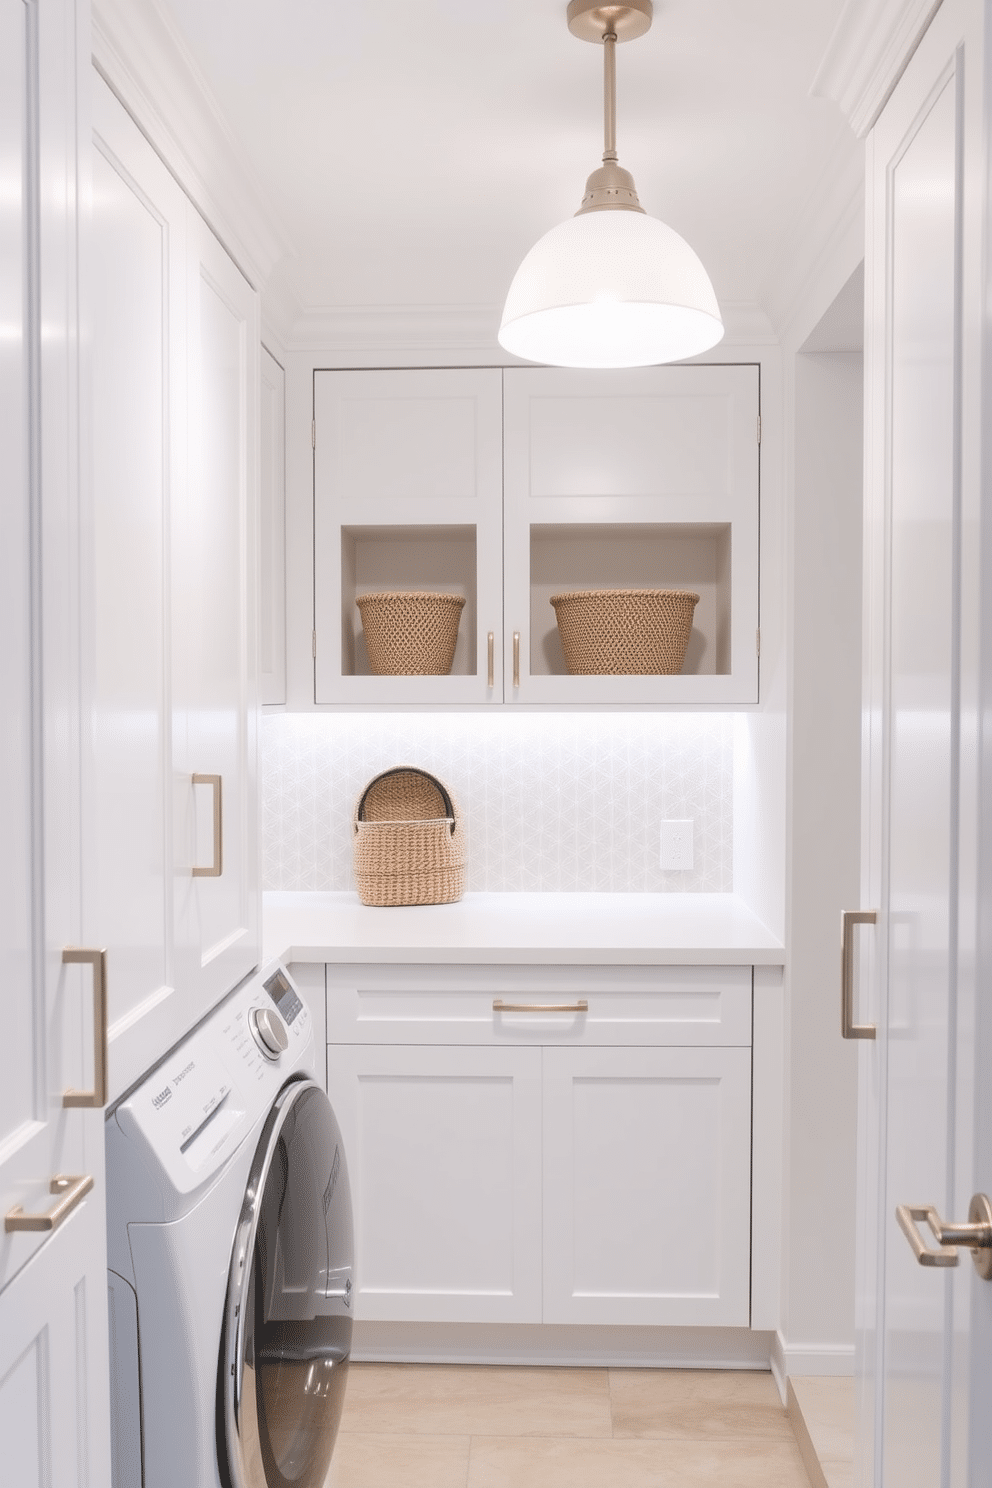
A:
<point x="759" y="428"/>
<point x="314" y="645"/>
<point x="757" y="641"/>
<point x="313" y="433"/>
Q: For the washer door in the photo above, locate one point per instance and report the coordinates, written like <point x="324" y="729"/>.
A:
<point x="287" y="1325"/>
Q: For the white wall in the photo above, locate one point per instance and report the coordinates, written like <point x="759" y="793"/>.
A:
<point x="824" y="478"/>
<point x="824" y="844"/>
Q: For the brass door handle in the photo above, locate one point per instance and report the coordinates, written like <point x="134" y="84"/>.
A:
<point x="499" y="1006"/>
<point x="71" y="1192"/>
<point x="491" y="652"/>
<point x="97" y="1097"/>
<point x="848" y="1028"/>
<point x="217" y="866"/>
<point x="975" y="1236"/>
<point x="516" y="658"/>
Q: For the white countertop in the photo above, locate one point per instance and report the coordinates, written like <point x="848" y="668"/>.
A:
<point x="603" y="929"/>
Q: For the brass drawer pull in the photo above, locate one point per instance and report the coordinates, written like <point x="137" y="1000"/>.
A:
<point x="217" y="866"/>
<point x="848" y="1028"/>
<point x="516" y="658"/>
<point x="499" y="1006"/>
<point x="97" y="1097"/>
<point x="71" y="1191"/>
<point x="491" y="649"/>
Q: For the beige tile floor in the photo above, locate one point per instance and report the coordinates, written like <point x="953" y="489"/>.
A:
<point x="445" y="1426"/>
<point x="822" y="1413"/>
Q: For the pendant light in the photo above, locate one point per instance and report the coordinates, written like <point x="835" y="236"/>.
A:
<point x="611" y="287"/>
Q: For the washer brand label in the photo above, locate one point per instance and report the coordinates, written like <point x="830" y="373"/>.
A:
<point x="163" y="1097"/>
<point x="184" y="1072"/>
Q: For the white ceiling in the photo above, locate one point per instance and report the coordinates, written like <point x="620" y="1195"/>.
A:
<point x="413" y="152"/>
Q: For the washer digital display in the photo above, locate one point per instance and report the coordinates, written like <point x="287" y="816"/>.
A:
<point x="284" y="996"/>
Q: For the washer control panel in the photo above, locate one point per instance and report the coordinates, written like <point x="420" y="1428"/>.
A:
<point x="200" y="1102"/>
<point x="269" y="1032"/>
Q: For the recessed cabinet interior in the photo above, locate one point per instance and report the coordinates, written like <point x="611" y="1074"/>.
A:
<point x="537" y="1144"/>
<point x="509" y="486"/>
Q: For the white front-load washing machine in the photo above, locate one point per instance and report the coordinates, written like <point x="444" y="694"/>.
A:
<point x="230" y="1256"/>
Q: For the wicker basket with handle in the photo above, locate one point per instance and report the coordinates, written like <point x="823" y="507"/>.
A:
<point x="410" y="632"/>
<point x="613" y="632"/>
<point x="409" y="840"/>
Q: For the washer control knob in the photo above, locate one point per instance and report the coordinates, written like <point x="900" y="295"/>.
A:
<point x="268" y="1031"/>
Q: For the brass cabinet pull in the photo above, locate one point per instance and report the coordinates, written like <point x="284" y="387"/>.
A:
<point x="71" y="1191"/>
<point x="976" y="1235"/>
<point x="217" y="866"/>
<point x="499" y="1006"/>
<point x="848" y="1028"/>
<point x="97" y="1097"/>
<point x="516" y="658"/>
<point x="491" y="650"/>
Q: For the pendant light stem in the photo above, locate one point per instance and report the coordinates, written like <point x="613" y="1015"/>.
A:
<point x="610" y="96"/>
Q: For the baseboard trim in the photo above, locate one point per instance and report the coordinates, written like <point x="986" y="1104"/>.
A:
<point x="787" y="1359"/>
<point x="570" y="1346"/>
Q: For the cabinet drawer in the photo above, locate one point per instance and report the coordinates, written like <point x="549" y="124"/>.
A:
<point x="640" y="1005"/>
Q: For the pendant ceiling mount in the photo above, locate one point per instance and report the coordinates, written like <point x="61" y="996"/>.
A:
<point x="591" y="22"/>
<point x="611" y="287"/>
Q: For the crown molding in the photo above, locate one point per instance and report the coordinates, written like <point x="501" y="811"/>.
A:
<point x="867" y="54"/>
<point x="825" y="243"/>
<point x="145" y="61"/>
<point x="436" y="329"/>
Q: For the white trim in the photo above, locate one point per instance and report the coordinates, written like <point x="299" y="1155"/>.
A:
<point x="433" y="329"/>
<point x="142" y="56"/>
<point x="788" y="1360"/>
<point x="567" y="1345"/>
<point x="829" y="226"/>
<point x="867" y="54"/>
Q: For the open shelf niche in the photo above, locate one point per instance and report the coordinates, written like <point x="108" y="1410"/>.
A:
<point x="442" y="558"/>
<point x="695" y="556"/>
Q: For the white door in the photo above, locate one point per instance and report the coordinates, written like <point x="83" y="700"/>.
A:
<point x="647" y="1179"/>
<point x="54" y="1414"/>
<point x="213" y="631"/>
<point x="444" y="1149"/>
<point x="135" y="291"/>
<point x="408" y="484"/>
<point x="926" y="294"/>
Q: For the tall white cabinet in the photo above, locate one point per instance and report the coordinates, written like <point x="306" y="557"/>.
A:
<point x="169" y="744"/>
<point x="54" y="1419"/>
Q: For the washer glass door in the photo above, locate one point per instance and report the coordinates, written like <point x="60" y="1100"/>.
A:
<point x="288" y="1323"/>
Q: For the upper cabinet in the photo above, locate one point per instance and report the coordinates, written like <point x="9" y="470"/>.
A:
<point x="408" y="475"/>
<point x="167" y="603"/>
<point x="509" y="486"/>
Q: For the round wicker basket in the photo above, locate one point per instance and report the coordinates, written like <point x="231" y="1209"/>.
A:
<point x="610" y="632"/>
<point x="409" y="841"/>
<point x="411" y="632"/>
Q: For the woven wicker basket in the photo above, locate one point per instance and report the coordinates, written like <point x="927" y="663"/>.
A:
<point x="609" y="632"/>
<point x="410" y="633"/>
<point x="409" y="841"/>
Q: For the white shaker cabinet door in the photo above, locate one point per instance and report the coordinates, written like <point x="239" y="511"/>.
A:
<point x="54" y="1413"/>
<point x="647" y="1165"/>
<point x="444" y="1152"/>
<point x="135" y="313"/>
<point x="214" y="631"/>
<point x="408" y="478"/>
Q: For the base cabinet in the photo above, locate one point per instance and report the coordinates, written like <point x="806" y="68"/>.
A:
<point x="444" y="1149"/>
<point x="523" y="1165"/>
<point x="647" y="1208"/>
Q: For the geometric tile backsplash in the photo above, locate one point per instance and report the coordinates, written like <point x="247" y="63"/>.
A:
<point x="550" y="801"/>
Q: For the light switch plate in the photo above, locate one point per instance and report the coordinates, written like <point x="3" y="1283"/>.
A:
<point x="676" y="844"/>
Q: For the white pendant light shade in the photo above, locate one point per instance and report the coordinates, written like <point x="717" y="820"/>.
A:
<point x="610" y="289"/>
